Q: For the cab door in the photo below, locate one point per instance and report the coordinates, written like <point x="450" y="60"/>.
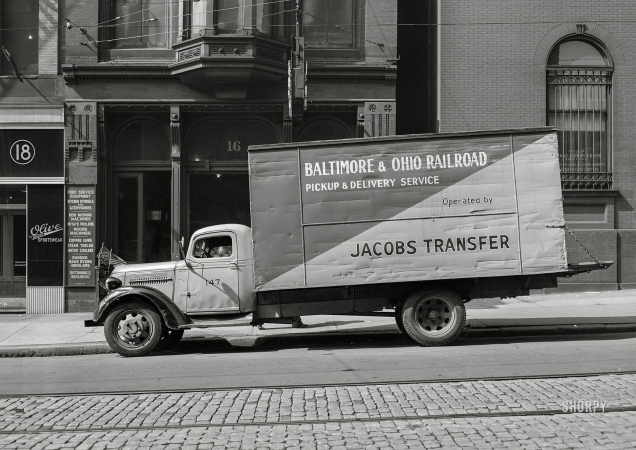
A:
<point x="213" y="279"/>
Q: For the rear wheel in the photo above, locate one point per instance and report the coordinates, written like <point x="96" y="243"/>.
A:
<point x="434" y="318"/>
<point x="133" y="329"/>
<point x="169" y="339"/>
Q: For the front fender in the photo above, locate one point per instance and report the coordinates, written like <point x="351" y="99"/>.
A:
<point x="172" y="315"/>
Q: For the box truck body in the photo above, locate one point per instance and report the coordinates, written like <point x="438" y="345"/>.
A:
<point x="406" y="208"/>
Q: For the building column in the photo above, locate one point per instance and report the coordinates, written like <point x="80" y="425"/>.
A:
<point x="81" y="156"/>
<point x="176" y="199"/>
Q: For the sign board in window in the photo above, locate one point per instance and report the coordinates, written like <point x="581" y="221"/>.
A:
<point x="31" y="153"/>
<point x="80" y="236"/>
<point x="45" y="236"/>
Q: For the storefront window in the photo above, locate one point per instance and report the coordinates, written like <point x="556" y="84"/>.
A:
<point x="19" y="35"/>
<point x="19" y="245"/>
<point x="12" y="195"/>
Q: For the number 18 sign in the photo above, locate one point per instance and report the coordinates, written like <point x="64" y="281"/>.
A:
<point x="22" y="152"/>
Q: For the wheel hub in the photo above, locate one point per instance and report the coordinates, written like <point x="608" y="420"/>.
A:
<point x="133" y="328"/>
<point x="434" y="315"/>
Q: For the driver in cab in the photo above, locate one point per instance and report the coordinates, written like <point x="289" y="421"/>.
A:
<point x="202" y="250"/>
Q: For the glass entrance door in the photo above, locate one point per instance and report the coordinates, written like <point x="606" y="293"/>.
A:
<point x="12" y="260"/>
<point x="142" y="222"/>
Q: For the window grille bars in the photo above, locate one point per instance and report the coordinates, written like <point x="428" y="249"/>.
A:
<point x="579" y="105"/>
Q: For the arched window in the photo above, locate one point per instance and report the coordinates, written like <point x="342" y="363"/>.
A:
<point x="579" y="77"/>
<point x="322" y="129"/>
<point x="143" y="139"/>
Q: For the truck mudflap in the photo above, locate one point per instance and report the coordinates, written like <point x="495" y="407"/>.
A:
<point x="576" y="268"/>
<point x="173" y="317"/>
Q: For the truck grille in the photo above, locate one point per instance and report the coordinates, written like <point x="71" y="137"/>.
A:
<point x="149" y="280"/>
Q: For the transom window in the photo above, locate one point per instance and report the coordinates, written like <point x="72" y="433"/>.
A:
<point x="579" y="78"/>
<point x="143" y="139"/>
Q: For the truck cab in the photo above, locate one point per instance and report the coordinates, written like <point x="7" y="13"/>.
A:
<point x="150" y="305"/>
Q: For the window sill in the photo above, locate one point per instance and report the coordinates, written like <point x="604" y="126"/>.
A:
<point x="335" y="54"/>
<point x="160" y="54"/>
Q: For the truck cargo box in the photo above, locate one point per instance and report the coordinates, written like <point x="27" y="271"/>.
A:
<point x="406" y="208"/>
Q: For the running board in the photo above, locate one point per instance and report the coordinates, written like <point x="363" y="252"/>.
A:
<point x="216" y="320"/>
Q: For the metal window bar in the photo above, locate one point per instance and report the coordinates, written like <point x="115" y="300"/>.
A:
<point x="578" y="106"/>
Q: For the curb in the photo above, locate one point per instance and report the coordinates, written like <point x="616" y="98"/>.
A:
<point x="549" y="330"/>
<point x="366" y="338"/>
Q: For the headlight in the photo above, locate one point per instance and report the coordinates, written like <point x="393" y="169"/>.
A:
<point x="113" y="283"/>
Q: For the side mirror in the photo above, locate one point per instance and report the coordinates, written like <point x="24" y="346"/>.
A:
<point x="182" y="252"/>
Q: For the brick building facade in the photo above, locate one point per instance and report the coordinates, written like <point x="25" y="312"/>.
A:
<point x="504" y="64"/>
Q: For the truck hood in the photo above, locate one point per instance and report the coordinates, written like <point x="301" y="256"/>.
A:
<point x="146" y="267"/>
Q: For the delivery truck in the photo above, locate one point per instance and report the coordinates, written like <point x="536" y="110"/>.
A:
<point x="414" y="226"/>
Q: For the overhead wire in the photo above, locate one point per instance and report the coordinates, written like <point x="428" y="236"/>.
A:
<point x="381" y="30"/>
<point x="191" y="14"/>
<point x="168" y="26"/>
<point x="340" y="27"/>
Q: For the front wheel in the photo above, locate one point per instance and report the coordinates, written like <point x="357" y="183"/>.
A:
<point x="133" y="329"/>
<point x="434" y="318"/>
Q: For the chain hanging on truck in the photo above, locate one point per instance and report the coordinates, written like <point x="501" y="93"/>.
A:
<point x="581" y="244"/>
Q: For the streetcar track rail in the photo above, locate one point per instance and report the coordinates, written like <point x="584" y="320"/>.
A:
<point x="321" y="385"/>
<point x="547" y="412"/>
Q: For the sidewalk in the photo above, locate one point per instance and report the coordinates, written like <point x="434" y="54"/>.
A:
<point x="536" y="315"/>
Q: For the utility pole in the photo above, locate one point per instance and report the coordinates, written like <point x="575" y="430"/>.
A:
<point x="298" y="71"/>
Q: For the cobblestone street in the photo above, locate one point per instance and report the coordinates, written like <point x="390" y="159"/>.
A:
<point x="576" y="412"/>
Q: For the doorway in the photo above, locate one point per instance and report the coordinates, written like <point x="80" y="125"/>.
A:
<point x="12" y="260"/>
<point x="142" y="222"/>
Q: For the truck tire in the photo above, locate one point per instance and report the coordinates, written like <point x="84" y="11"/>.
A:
<point x="133" y="328"/>
<point x="169" y="339"/>
<point x="433" y="318"/>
